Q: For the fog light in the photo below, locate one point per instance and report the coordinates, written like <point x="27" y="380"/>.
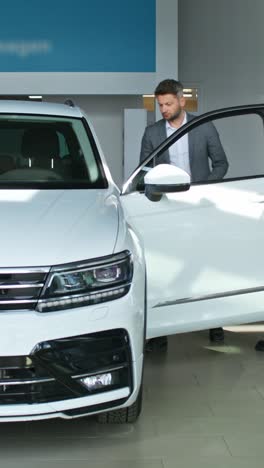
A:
<point x="96" y="382"/>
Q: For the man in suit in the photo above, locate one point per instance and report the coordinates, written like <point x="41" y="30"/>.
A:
<point x="200" y="152"/>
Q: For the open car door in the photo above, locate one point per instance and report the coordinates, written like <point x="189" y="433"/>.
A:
<point x="204" y="247"/>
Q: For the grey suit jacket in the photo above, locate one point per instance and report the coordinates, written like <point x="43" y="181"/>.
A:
<point x="207" y="157"/>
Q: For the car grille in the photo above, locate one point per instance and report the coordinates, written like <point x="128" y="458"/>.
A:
<point x="52" y="372"/>
<point x="20" y="288"/>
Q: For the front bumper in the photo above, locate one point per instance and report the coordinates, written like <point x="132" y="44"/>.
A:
<point x="46" y="383"/>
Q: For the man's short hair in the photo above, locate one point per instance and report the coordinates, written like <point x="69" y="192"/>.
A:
<point x="169" y="86"/>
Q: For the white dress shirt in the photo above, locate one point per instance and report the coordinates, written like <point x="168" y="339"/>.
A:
<point x="179" y="151"/>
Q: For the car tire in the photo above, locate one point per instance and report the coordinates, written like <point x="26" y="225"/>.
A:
<point x="123" y="415"/>
<point x="157" y="345"/>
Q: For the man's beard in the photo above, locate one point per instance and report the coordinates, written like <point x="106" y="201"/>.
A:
<point x="175" y="116"/>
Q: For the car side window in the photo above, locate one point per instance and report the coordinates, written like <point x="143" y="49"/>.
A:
<point x="243" y="139"/>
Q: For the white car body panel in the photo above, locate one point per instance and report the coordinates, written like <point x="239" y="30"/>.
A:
<point x="49" y="408"/>
<point x="39" y="108"/>
<point x="203" y="242"/>
<point x="49" y="227"/>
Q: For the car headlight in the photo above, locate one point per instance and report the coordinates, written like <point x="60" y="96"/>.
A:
<point x="85" y="283"/>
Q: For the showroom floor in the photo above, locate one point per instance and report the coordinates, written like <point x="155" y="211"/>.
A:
<point x="203" y="408"/>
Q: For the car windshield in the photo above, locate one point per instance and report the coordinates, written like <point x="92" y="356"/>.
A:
<point x="48" y="152"/>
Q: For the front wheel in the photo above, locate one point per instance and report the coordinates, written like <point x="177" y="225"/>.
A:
<point x="123" y="415"/>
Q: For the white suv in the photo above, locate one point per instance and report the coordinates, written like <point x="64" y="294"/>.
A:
<point x="76" y="299"/>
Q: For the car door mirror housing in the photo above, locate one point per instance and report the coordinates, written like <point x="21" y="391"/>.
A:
<point x="165" y="178"/>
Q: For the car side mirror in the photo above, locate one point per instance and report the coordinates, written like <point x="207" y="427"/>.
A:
<point x="165" y="178"/>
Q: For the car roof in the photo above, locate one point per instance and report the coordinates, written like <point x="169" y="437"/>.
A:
<point x="39" y="108"/>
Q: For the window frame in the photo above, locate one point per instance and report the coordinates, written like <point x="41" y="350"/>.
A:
<point x="257" y="109"/>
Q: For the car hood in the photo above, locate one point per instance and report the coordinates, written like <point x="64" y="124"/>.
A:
<point x="48" y="227"/>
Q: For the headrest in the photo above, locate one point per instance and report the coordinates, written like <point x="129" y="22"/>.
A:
<point x="40" y="143"/>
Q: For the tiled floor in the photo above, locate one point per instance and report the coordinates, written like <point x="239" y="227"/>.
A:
<point x="203" y="408"/>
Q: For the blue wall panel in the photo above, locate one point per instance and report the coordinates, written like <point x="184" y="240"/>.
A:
<point x="78" y="36"/>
